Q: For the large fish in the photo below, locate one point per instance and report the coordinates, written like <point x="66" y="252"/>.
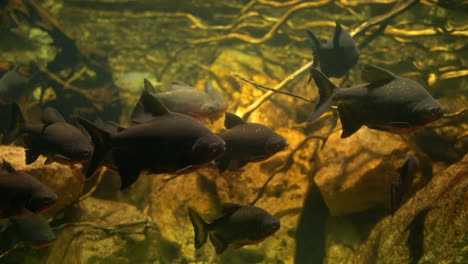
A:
<point x="33" y="231"/>
<point x="386" y="103"/>
<point x="247" y="142"/>
<point x="185" y="99"/>
<point x="13" y="84"/>
<point x="160" y="142"/>
<point x="400" y="185"/>
<point x="56" y="139"/>
<point x="337" y="55"/>
<point x="240" y="225"/>
<point x="21" y="194"/>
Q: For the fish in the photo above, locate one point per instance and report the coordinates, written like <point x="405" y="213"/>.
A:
<point x="5" y="116"/>
<point x="185" y="99"/>
<point x="21" y="194"/>
<point x="386" y="102"/>
<point x="337" y="55"/>
<point x="55" y="139"/>
<point x="240" y="225"/>
<point x="401" y="183"/>
<point x="247" y="142"/>
<point x="33" y="231"/>
<point x="13" y="84"/>
<point x="160" y="141"/>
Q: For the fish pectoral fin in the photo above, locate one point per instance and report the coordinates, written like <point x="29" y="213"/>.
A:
<point x="232" y="120"/>
<point x="48" y="161"/>
<point x="349" y="123"/>
<point x="219" y="245"/>
<point x="371" y="74"/>
<point x="128" y="175"/>
<point x="31" y="156"/>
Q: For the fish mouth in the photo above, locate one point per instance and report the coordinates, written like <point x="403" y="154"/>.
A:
<point x="43" y="210"/>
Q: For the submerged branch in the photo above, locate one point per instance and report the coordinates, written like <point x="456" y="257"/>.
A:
<point x="255" y="105"/>
<point x="270" y="33"/>
<point x="271" y="89"/>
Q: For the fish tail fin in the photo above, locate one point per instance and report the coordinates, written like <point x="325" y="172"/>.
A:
<point x="326" y="92"/>
<point x="200" y="227"/>
<point x="315" y="44"/>
<point x="16" y="125"/>
<point x="101" y="144"/>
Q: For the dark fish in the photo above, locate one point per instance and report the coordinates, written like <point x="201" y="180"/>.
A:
<point x="387" y="103"/>
<point x="56" y="139"/>
<point x="185" y="99"/>
<point x="240" y="225"/>
<point x="247" y="142"/>
<point x="6" y="113"/>
<point x="401" y="184"/>
<point x="337" y="55"/>
<point x="33" y="231"/>
<point x="21" y="194"/>
<point x="160" y="142"/>
<point x="13" y="84"/>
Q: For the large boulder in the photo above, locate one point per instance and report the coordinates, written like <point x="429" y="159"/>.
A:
<point x="355" y="172"/>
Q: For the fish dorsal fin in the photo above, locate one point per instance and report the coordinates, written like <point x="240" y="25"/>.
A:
<point x="8" y="167"/>
<point x="148" y="106"/>
<point x="231" y="120"/>
<point x="180" y="85"/>
<point x="337" y="35"/>
<point x="371" y="74"/>
<point x="149" y="87"/>
<point x="230" y="208"/>
<point x="51" y="115"/>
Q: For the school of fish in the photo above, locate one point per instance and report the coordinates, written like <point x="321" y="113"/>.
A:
<point x="167" y="137"/>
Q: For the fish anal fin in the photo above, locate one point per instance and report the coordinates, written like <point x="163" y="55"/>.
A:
<point x="371" y="74"/>
<point x="349" y="123"/>
<point x="51" y="115"/>
<point x="128" y="175"/>
<point x="218" y="244"/>
<point x="232" y="120"/>
<point x="31" y="156"/>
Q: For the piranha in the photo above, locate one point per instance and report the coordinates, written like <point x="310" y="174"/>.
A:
<point x="185" y="99"/>
<point x="402" y="182"/>
<point x="21" y="194"/>
<point x="56" y="139"/>
<point x="33" y="231"/>
<point x="160" y="142"/>
<point x="247" y="142"/>
<point x="386" y="102"/>
<point x="240" y="225"/>
<point x="13" y="84"/>
<point x="337" y="55"/>
<point x="5" y="116"/>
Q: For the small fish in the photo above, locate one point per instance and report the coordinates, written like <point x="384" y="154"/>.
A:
<point x="337" y="55"/>
<point x="386" y="103"/>
<point x="160" y="142"/>
<point x="247" y="142"/>
<point x="21" y="194"/>
<point x="13" y="84"/>
<point x="240" y="225"/>
<point x="56" y="139"/>
<point x="185" y="99"/>
<point x="33" y="231"/>
<point x="402" y="182"/>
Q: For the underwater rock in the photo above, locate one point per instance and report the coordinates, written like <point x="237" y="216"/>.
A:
<point x="66" y="181"/>
<point x="355" y="172"/>
<point x="430" y="228"/>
